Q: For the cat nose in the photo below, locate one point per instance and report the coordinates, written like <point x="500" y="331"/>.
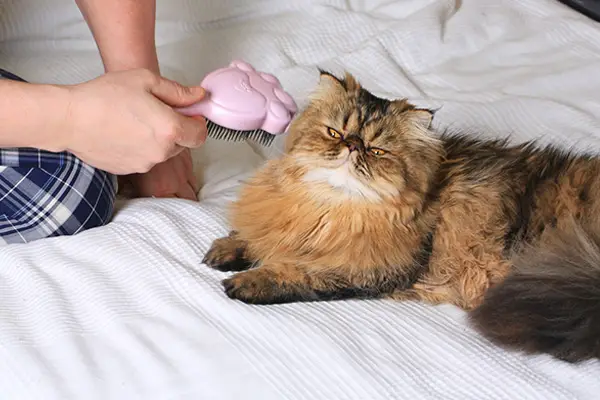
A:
<point x="353" y="144"/>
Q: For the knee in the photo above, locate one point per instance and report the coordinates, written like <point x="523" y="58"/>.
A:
<point x="54" y="199"/>
<point x="97" y="203"/>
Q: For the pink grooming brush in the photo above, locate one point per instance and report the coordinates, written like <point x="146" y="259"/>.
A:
<point x="242" y="103"/>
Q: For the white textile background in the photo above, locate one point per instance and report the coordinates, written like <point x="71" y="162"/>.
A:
<point x="128" y="312"/>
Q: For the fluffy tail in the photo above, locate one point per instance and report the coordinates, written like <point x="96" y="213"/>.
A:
<point x="551" y="303"/>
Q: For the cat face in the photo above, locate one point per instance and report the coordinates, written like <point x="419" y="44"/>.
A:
<point x="360" y="145"/>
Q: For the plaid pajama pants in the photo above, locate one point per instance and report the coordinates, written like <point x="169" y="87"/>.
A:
<point x="44" y="194"/>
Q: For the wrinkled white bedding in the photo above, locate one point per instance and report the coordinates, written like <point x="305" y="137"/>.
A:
<point x="128" y="312"/>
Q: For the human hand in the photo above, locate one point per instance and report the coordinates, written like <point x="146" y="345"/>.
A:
<point x="124" y="122"/>
<point x="172" y="178"/>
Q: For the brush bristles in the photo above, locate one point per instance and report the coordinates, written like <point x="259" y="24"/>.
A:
<point x="220" y="133"/>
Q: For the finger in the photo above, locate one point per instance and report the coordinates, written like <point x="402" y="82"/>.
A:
<point x="199" y="118"/>
<point x="175" y="151"/>
<point x="185" y="189"/>
<point x="192" y="132"/>
<point x="175" y="94"/>
<point x="190" y="173"/>
<point x="187" y="192"/>
<point x="193" y="181"/>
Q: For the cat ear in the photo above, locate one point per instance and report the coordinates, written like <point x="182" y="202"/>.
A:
<point x="422" y="117"/>
<point x="350" y="83"/>
<point x="331" y="85"/>
<point x="330" y="82"/>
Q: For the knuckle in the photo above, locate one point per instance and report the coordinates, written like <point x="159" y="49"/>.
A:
<point x="148" y="76"/>
<point x="144" y="167"/>
<point x="173" y="130"/>
<point x="160" y="157"/>
<point x="199" y="140"/>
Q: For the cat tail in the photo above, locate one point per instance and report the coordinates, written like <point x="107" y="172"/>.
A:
<point x="551" y="302"/>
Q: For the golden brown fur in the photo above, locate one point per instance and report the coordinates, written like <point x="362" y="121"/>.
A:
<point x="367" y="201"/>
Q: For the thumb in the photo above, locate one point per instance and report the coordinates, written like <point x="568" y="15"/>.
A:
<point x="175" y="94"/>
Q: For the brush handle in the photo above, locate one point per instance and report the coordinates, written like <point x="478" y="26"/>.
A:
<point x="241" y="98"/>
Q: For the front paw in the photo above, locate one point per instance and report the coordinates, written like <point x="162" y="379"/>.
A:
<point x="261" y="286"/>
<point x="227" y="254"/>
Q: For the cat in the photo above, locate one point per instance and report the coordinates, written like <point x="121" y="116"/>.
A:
<point x="368" y="201"/>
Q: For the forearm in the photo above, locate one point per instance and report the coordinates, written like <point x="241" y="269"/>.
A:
<point x="33" y="115"/>
<point x="124" y="32"/>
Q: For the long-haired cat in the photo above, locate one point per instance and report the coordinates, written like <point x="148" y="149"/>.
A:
<point x="368" y="201"/>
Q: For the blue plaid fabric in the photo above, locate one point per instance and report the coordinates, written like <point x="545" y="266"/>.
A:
<point x="44" y="194"/>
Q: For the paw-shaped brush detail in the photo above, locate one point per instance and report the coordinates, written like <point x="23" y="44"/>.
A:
<point x="241" y="98"/>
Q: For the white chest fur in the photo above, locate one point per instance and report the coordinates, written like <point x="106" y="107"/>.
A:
<point x="344" y="181"/>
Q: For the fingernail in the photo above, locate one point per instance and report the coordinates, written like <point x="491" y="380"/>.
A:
<point x="200" y="91"/>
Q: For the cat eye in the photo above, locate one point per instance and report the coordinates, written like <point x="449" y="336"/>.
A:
<point x="377" y="152"/>
<point x="333" y="133"/>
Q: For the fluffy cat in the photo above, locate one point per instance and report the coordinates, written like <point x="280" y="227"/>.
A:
<point x="369" y="202"/>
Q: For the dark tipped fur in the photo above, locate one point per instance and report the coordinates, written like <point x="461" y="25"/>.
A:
<point x="526" y="167"/>
<point x="551" y="304"/>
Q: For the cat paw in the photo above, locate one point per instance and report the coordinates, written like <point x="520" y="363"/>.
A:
<point x="260" y="286"/>
<point x="227" y="254"/>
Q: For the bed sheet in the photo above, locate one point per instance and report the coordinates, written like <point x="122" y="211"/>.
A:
<point x="127" y="311"/>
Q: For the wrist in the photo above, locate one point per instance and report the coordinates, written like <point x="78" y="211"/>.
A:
<point x="134" y="61"/>
<point x="56" y="116"/>
<point x="33" y="115"/>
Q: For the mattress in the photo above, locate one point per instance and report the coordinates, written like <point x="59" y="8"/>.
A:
<point x="127" y="311"/>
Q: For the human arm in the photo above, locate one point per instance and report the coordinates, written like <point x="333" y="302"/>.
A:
<point x="124" y="31"/>
<point x="20" y="102"/>
<point x="102" y="121"/>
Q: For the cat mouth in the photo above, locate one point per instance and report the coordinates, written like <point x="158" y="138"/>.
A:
<point x="349" y="158"/>
<point x="348" y="162"/>
<point x="358" y="169"/>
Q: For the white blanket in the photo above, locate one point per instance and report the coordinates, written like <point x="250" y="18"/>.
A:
<point x="128" y="312"/>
